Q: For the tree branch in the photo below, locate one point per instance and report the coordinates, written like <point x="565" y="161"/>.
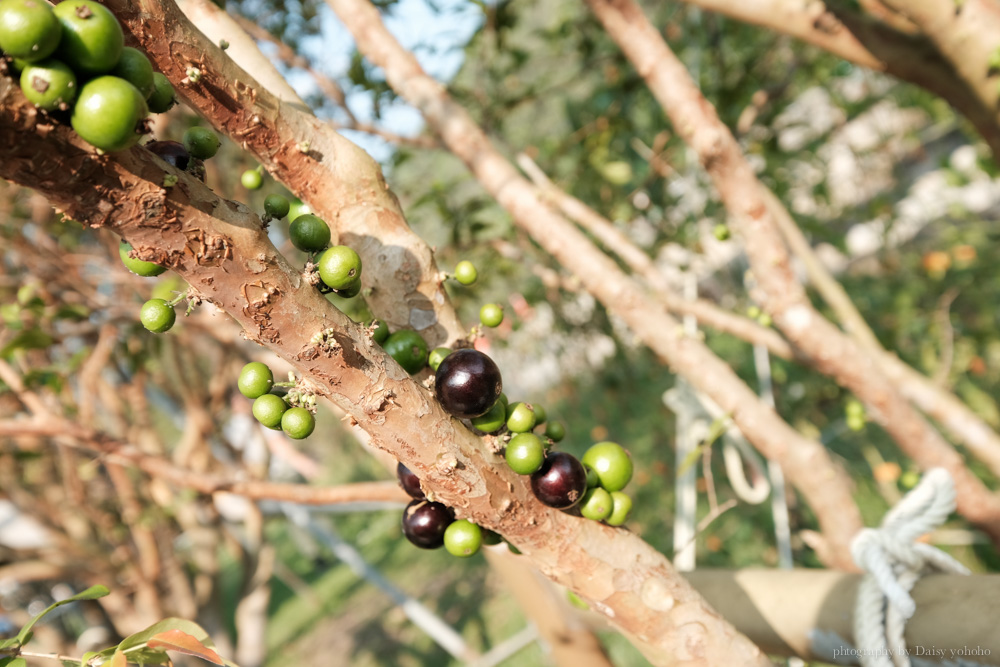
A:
<point x="339" y="180"/>
<point x="860" y="37"/>
<point x="830" y="351"/>
<point x="808" y="465"/>
<point x="221" y="250"/>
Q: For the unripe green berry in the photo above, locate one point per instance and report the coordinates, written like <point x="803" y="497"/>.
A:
<point x="138" y="266"/>
<point x="339" y="267"/>
<point x="256" y="379"/>
<point x="436" y="356"/>
<point x="157" y="315"/>
<point x="621" y="507"/>
<point x="201" y="142"/>
<point x="298" y="423"/>
<point x="252" y="179"/>
<point x="465" y="272"/>
<point x="491" y="315"/>
<point x="268" y="409"/>
<point x="525" y="453"/>
<point x="309" y="233"/>
<point x="492" y="420"/>
<point x="520" y="417"/>
<point x="596" y="504"/>
<point x="276" y="206"/>
<point x="463" y="538"/>
<point x="612" y="464"/>
<point x="555" y="431"/>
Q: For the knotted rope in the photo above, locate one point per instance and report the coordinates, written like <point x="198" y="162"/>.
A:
<point x="893" y="562"/>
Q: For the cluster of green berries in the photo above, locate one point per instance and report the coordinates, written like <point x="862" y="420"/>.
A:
<point x="72" y="58"/>
<point x="490" y="314"/>
<point x="256" y="382"/>
<point x="854" y="415"/>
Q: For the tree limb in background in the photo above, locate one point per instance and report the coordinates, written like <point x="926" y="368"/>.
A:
<point x="854" y="35"/>
<point x="220" y="248"/>
<point x="706" y="312"/>
<point x="831" y="352"/>
<point x="808" y="465"/>
<point x="340" y="181"/>
<point x="965" y="33"/>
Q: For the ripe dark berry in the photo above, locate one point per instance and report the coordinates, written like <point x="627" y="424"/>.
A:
<point x="467" y="383"/>
<point x="560" y="482"/>
<point x="171" y="152"/>
<point x="409" y="481"/>
<point x="424" y="523"/>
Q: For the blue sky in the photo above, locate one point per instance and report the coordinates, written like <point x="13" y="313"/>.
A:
<point x="436" y="38"/>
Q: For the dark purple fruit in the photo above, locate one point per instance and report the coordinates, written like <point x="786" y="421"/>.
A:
<point x="561" y="481"/>
<point x="468" y="383"/>
<point x="424" y="523"/>
<point x="409" y="481"/>
<point x="171" y="152"/>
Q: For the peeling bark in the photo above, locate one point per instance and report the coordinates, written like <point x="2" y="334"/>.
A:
<point x="341" y="182"/>
<point x="219" y="248"/>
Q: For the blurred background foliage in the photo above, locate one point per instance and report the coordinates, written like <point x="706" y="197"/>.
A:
<point x="884" y="179"/>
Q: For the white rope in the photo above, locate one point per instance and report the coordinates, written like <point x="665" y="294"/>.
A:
<point x="893" y="562"/>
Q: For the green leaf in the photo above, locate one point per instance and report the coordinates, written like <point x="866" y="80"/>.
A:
<point x="30" y="339"/>
<point x="91" y="593"/>
<point x="7" y="643"/>
<point x="71" y="663"/>
<point x="13" y="662"/>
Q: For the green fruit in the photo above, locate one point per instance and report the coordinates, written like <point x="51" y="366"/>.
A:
<point x="381" y="332"/>
<point x="621" y="505"/>
<point x="157" y="315"/>
<point x="596" y="504"/>
<point x="436" y="356"/>
<point x="503" y="399"/>
<point x="92" y="40"/>
<point x="492" y="420"/>
<point x="465" y="272"/>
<point x="540" y="414"/>
<point x="408" y="348"/>
<point x="297" y="423"/>
<point x="520" y="417"/>
<point x="49" y="85"/>
<point x="276" y="206"/>
<point x="29" y="29"/>
<point x="252" y="179"/>
<point x="201" y="142"/>
<point x="350" y="291"/>
<point x="555" y="431"/>
<point x="297" y="207"/>
<point x="162" y="98"/>
<point x="134" y="67"/>
<point x="108" y="113"/>
<point x="463" y="538"/>
<point x="525" y="453"/>
<point x="721" y="231"/>
<point x="491" y="315"/>
<point x="310" y="234"/>
<point x="612" y="463"/>
<point x="256" y="379"/>
<point x="138" y="266"/>
<point x="339" y="267"/>
<point x="268" y="409"/>
<point x="592" y="477"/>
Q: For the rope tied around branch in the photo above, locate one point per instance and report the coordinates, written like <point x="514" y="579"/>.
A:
<point x="893" y="562"/>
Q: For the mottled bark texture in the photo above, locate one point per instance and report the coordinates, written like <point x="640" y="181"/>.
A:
<point x="808" y="465"/>
<point x="341" y="182"/>
<point x="829" y="350"/>
<point x="220" y="249"/>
